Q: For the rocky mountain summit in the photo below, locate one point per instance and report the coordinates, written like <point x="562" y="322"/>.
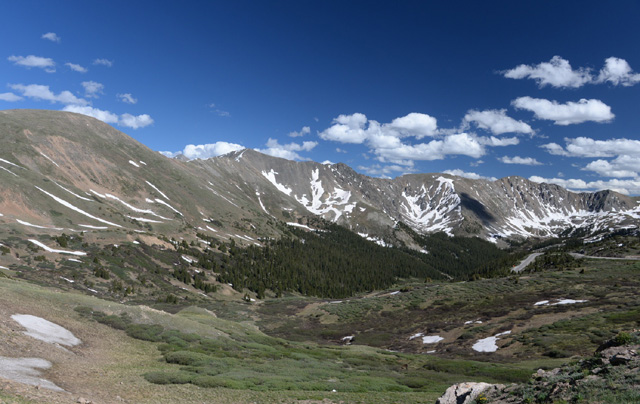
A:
<point x="64" y="170"/>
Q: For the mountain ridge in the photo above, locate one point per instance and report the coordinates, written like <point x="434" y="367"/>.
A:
<point x="53" y="156"/>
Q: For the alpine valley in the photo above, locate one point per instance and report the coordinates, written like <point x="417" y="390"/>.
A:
<point x="217" y="280"/>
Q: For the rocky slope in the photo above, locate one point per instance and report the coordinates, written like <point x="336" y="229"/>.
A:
<point x="64" y="171"/>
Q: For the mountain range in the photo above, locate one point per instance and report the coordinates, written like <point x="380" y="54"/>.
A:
<point x="62" y="170"/>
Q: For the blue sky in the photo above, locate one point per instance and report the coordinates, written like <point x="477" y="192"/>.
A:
<point x="547" y="90"/>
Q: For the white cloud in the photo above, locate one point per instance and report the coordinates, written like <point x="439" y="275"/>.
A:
<point x="587" y="147"/>
<point x="377" y="170"/>
<point x="566" y="114"/>
<point x="218" y="111"/>
<point x="496" y="121"/>
<point x="618" y="72"/>
<point x="339" y="150"/>
<point x="386" y="140"/>
<point x="459" y="144"/>
<point x="623" y="186"/>
<point x="40" y="92"/>
<point x="347" y="129"/>
<point x="304" y="131"/>
<point x="103" y="62"/>
<point x="460" y="173"/>
<point x="205" y="151"/>
<point x="51" y="36"/>
<point x="353" y="129"/>
<point x="414" y="124"/>
<point x="104" y="116"/>
<point x="528" y="161"/>
<point x="623" y="166"/>
<point x="92" y="89"/>
<point x="287" y="151"/>
<point x="556" y="73"/>
<point x="126" y="120"/>
<point x="30" y="61"/>
<point x="135" y="121"/>
<point x="495" y="142"/>
<point x="76" y="68"/>
<point x="10" y="97"/>
<point x="127" y="98"/>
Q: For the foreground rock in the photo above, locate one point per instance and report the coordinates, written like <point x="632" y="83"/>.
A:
<point x="613" y="373"/>
<point x="465" y="393"/>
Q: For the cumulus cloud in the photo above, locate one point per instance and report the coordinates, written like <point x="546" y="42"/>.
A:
<point x="623" y="186"/>
<point x="566" y="114"/>
<point x="556" y="73"/>
<point x="495" y="141"/>
<point x="304" y="131"/>
<point x="460" y="144"/>
<point x="620" y="167"/>
<point x="559" y="73"/>
<point x="127" y="98"/>
<point x="30" y="61"/>
<point x="378" y="170"/>
<point x="76" y="68"/>
<point x="618" y="72"/>
<point x="135" y="121"/>
<point x="205" y="151"/>
<point x="103" y="62"/>
<point x="460" y="173"/>
<point x="496" y="121"/>
<point x="104" y="116"/>
<point x="387" y="141"/>
<point x="10" y="97"/>
<point x="92" y="89"/>
<point x="527" y="161"/>
<point x="125" y="120"/>
<point x="587" y="147"/>
<point x="51" y="36"/>
<point x="41" y="92"/>
<point x="414" y="124"/>
<point x="287" y="151"/>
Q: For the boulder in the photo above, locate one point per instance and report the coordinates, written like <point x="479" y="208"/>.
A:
<point x="465" y="393"/>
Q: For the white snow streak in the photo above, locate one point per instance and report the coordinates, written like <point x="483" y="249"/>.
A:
<point x="133" y="163"/>
<point x="170" y="207"/>
<point x="161" y="193"/>
<point x="49" y="249"/>
<point x="72" y="193"/>
<point x="82" y="212"/>
<point x="49" y="158"/>
<point x="36" y="226"/>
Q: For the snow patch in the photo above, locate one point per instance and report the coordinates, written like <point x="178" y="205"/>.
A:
<point x="45" y="330"/>
<point x="558" y="302"/>
<point x="88" y="226"/>
<point x="161" y="193"/>
<point x="133" y="163"/>
<point x="72" y="207"/>
<point x="36" y="226"/>
<point x="488" y="344"/>
<point x="73" y="193"/>
<point x="271" y="176"/>
<point x="24" y="370"/>
<point x="144" y="219"/>
<point x="49" y="249"/>
<point x="170" y="207"/>
<point x="49" y="158"/>
<point x="431" y="339"/>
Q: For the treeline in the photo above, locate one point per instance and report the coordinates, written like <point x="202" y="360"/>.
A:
<point x="337" y="263"/>
<point x="461" y="257"/>
<point x="333" y="263"/>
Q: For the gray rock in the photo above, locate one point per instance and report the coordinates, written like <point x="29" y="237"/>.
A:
<point x="465" y="393"/>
